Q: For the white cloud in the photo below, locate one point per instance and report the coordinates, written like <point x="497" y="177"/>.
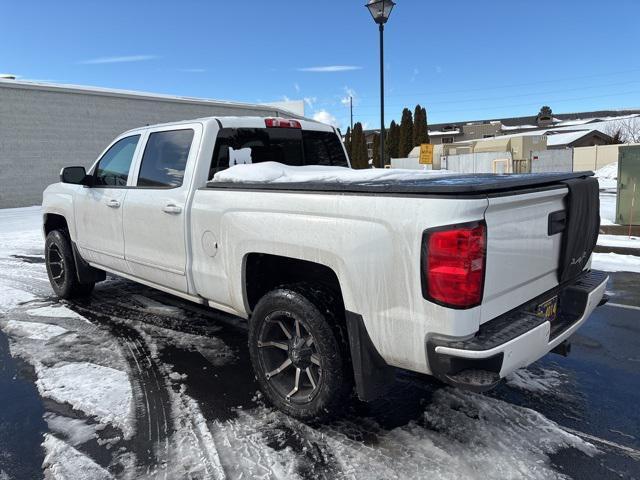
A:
<point x="323" y="116"/>
<point x="330" y="68"/>
<point x="297" y="87"/>
<point x="193" y="70"/>
<point x="123" y="59"/>
<point x="285" y="98"/>
<point x="438" y="69"/>
<point x="349" y="93"/>
<point x="310" y="101"/>
<point x="416" y="72"/>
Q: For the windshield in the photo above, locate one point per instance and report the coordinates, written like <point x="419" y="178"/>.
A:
<point x="289" y="146"/>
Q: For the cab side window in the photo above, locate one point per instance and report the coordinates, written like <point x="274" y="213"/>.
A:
<point x="113" y="168"/>
<point x="165" y="159"/>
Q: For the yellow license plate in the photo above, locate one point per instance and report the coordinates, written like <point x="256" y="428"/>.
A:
<point x="548" y="310"/>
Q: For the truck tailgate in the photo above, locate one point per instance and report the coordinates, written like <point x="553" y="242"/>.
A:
<point x="532" y="240"/>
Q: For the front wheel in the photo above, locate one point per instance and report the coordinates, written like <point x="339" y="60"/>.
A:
<point x="61" y="267"/>
<point x="298" y="354"/>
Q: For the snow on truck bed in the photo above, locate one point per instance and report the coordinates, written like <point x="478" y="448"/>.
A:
<point x="276" y="176"/>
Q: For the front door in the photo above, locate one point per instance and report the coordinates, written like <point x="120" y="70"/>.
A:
<point x="155" y="212"/>
<point x="98" y="209"/>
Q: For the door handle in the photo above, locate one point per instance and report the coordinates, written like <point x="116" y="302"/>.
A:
<point x="172" y="208"/>
<point x="113" y="203"/>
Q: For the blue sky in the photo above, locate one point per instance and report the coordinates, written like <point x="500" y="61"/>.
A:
<point x="463" y="60"/>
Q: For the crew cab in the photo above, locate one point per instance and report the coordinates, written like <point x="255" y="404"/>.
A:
<point x="344" y="276"/>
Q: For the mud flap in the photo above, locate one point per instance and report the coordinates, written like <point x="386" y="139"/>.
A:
<point x="85" y="272"/>
<point x="583" y="224"/>
<point x="371" y="373"/>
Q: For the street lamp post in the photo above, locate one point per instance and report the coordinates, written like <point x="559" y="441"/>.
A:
<point x="380" y="11"/>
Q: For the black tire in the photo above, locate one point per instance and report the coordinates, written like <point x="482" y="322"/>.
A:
<point x="317" y="313"/>
<point x="61" y="267"/>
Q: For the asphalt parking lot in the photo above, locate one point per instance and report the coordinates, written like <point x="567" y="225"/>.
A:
<point x="195" y="410"/>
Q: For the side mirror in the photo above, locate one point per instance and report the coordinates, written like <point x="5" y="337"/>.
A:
<point x="74" y="175"/>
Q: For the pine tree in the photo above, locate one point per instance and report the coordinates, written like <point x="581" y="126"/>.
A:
<point x="359" y="157"/>
<point x="376" y="150"/>
<point x="392" y="140"/>
<point x="406" y="133"/>
<point x="420" y="132"/>
<point x="347" y="141"/>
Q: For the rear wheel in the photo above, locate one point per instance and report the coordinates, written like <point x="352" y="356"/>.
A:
<point x="61" y="267"/>
<point x="299" y="354"/>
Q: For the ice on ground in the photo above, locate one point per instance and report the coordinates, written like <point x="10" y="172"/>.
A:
<point x="4" y="475"/>
<point x="608" y="176"/>
<point x="63" y="462"/>
<point x="274" y="172"/>
<point x="614" y="262"/>
<point x="74" y="430"/>
<point x="20" y="226"/>
<point x="32" y="330"/>
<point x="542" y="381"/>
<point x="619" y="241"/>
<point x="10" y="297"/>
<point x="54" y="311"/>
<point x="93" y="389"/>
<point x="153" y="306"/>
<point x="607" y="208"/>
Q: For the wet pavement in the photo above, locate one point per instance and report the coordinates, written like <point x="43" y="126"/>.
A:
<point x="192" y="385"/>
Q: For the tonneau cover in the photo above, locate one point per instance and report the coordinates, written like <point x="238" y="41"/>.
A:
<point x="463" y="184"/>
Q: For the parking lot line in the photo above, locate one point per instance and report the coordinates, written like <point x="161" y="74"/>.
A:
<point x="621" y="305"/>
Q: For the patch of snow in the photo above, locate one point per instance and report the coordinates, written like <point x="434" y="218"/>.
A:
<point x="95" y="390"/>
<point x="273" y="172"/>
<point x="619" y="241"/>
<point x="55" y="312"/>
<point x="613" y="262"/>
<point x="10" y="297"/>
<point x="608" y="176"/>
<point x="153" y="306"/>
<point x="63" y="462"/>
<point x="20" y="227"/>
<point x="74" y="430"/>
<point x="32" y="330"/>
<point x="4" y="475"/>
<point x="177" y="376"/>
<point x="607" y="208"/>
<point x="543" y="381"/>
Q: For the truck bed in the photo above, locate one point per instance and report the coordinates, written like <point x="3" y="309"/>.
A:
<point x="458" y="185"/>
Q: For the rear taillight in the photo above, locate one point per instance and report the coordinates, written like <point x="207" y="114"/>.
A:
<point x="453" y="263"/>
<point x="281" y="123"/>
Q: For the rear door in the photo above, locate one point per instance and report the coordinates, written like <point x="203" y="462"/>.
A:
<point x="98" y="209"/>
<point x="156" y="214"/>
<point x="522" y="256"/>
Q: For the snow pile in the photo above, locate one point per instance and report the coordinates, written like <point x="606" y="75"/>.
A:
<point x="545" y="381"/>
<point x="608" y="176"/>
<point x="607" y="208"/>
<point x="74" y="430"/>
<point x="34" y="331"/>
<point x="63" y="462"/>
<point x="613" y="262"/>
<point x="273" y="172"/>
<point x="95" y="390"/>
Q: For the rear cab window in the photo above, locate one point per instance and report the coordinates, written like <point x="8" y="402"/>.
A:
<point x="165" y="159"/>
<point x="289" y="146"/>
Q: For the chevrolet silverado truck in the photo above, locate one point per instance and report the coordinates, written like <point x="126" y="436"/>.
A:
<point x="344" y="276"/>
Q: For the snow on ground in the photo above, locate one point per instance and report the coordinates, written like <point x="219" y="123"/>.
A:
<point x="63" y="462"/>
<point x="613" y="262"/>
<point x="10" y="297"/>
<point x="273" y="172"/>
<point x="49" y="311"/>
<point x="74" y="430"/>
<point x="607" y="208"/>
<point x="608" y="176"/>
<point x="544" y="380"/>
<point x="32" y="330"/>
<point x="20" y="227"/>
<point x="619" y="241"/>
<point x="95" y="390"/>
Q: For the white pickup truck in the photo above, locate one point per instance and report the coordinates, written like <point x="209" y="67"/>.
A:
<point x="344" y="276"/>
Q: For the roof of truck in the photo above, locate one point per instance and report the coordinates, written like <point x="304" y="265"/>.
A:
<point x="238" y="122"/>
